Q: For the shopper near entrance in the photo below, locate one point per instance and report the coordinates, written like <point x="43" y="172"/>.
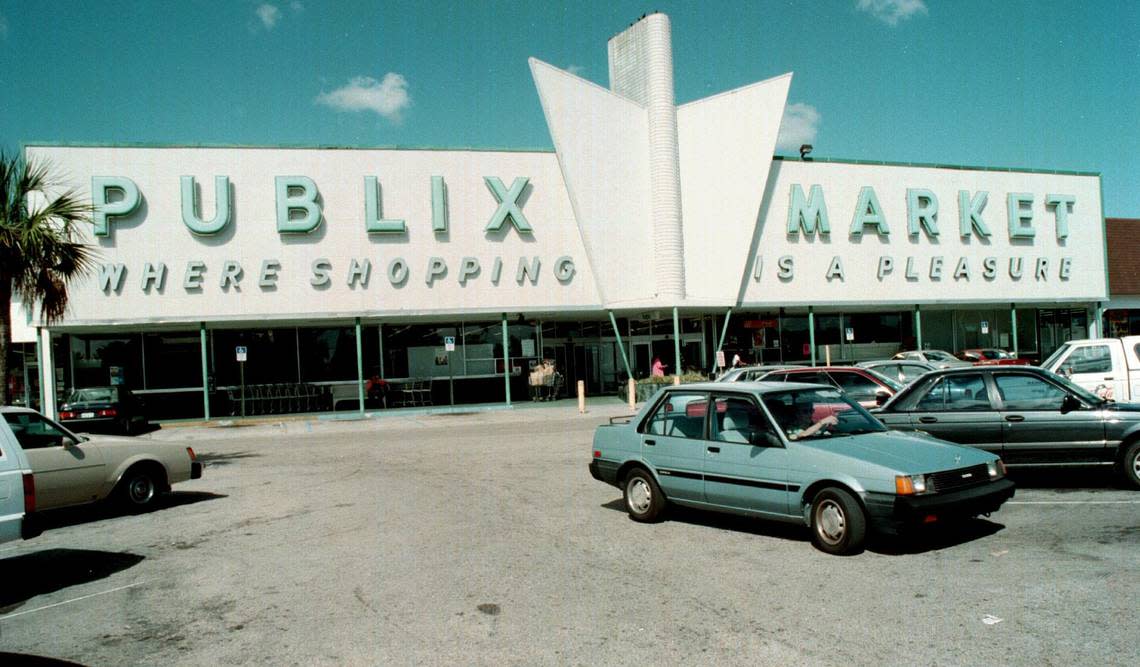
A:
<point x="658" y="368"/>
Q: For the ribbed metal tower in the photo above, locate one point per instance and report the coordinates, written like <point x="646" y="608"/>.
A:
<point x="641" y="68"/>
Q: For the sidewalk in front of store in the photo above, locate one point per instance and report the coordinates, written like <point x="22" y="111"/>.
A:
<point x="597" y="407"/>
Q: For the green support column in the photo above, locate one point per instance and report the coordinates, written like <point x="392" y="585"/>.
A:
<point x="811" y="333"/>
<point x="205" y="371"/>
<point x="359" y="368"/>
<point x="723" y="334"/>
<point x="621" y="345"/>
<point x="677" y="370"/>
<point x="506" y="360"/>
<point x="1013" y="326"/>
<point x="918" y="327"/>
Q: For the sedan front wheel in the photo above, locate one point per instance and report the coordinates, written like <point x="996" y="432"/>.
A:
<point x="838" y="524"/>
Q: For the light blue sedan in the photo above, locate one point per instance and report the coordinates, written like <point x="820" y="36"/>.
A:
<point x="791" y="452"/>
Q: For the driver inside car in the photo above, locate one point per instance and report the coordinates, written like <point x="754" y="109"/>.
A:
<point x="802" y="424"/>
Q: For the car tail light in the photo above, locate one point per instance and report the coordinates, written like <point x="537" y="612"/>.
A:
<point x="29" y="493"/>
<point x="597" y="453"/>
<point x="190" y="451"/>
<point x="107" y="412"/>
<point x="67" y="414"/>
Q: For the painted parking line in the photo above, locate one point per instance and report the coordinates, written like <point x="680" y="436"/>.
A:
<point x="1073" y="502"/>
<point x="83" y="597"/>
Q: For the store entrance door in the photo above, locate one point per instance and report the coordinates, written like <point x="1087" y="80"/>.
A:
<point x="1056" y="327"/>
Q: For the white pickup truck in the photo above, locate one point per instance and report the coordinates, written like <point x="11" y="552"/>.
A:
<point x="1110" y="367"/>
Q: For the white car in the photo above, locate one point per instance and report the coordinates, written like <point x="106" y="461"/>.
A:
<point x="936" y="358"/>
<point x="17" y="490"/>
<point x="70" y="469"/>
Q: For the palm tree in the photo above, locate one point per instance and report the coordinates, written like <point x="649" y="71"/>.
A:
<point x="40" y="246"/>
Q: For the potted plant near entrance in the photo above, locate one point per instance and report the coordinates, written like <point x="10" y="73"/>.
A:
<point x="647" y="387"/>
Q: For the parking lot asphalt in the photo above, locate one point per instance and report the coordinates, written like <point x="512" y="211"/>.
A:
<point x="482" y="539"/>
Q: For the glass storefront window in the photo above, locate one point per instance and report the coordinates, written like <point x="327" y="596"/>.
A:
<point x="172" y="360"/>
<point x="938" y="330"/>
<point x="795" y="339"/>
<point x="482" y="346"/>
<point x="271" y="356"/>
<point x="99" y="360"/>
<point x="370" y="350"/>
<point x="417" y="351"/>
<point x="327" y="354"/>
<point x="1027" y="333"/>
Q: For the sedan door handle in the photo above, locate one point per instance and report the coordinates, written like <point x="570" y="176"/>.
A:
<point x="714" y="450"/>
<point x="928" y="420"/>
<point x="1108" y="377"/>
<point x="1014" y="418"/>
<point x="651" y="442"/>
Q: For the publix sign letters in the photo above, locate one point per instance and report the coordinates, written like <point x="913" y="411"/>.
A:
<point x="298" y="205"/>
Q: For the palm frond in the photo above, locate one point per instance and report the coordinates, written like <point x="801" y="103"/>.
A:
<point x="40" y="246"/>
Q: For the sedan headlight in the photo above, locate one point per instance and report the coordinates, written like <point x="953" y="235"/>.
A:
<point x="996" y="469"/>
<point x="909" y="485"/>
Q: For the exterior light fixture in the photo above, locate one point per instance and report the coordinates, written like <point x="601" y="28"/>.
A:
<point x="805" y="150"/>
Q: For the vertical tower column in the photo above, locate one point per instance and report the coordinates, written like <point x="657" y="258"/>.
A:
<point x="641" y="68"/>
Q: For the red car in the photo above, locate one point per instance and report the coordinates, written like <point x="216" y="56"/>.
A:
<point x="988" y="356"/>
<point x="862" y="385"/>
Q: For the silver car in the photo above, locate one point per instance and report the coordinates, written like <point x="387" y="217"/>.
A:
<point x="937" y="358"/>
<point x="753" y="373"/>
<point x="903" y="371"/>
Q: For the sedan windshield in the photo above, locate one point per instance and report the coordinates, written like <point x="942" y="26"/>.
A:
<point x="937" y="355"/>
<point x="818" y="413"/>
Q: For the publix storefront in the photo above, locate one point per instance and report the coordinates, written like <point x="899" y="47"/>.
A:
<point x="651" y="230"/>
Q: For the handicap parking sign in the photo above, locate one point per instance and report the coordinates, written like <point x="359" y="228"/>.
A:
<point x="449" y="343"/>
<point x="241" y="352"/>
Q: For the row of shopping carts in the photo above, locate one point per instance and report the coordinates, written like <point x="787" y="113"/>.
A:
<point x="279" y="398"/>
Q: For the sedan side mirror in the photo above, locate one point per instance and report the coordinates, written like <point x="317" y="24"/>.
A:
<point x="1070" y="403"/>
<point x="881" y="397"/>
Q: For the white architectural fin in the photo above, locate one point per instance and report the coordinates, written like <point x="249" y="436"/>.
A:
<point x="602" y="142"/>
<point x="726" y="143"/>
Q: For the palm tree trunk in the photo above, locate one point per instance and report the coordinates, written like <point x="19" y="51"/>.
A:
<point x="5" y="335"/>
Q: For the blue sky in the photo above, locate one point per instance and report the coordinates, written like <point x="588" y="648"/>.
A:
<point x="1041" y="85"/>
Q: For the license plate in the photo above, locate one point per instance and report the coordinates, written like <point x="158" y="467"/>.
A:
<point x="86" y="415"/>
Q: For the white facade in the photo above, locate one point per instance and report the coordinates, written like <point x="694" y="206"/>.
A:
<point x="739" y="250"/>
<point x="643" y="207"/>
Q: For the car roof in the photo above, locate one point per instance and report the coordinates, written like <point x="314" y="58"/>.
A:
<point x="959" y="370"/>
<point x="755" y="386"/>
<point x="826" y="368"/>
<point x="893" y="362"/>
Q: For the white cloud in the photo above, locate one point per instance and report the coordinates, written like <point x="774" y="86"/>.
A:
<point x="576" y="70"/>
<point x="799" y="126"/>
<point x="891" y="11"/>
<point x="296" y="6"/>
<point x="269" y="15"/>
<point x="3" y="27"/>
<point x="387" y="98"/>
